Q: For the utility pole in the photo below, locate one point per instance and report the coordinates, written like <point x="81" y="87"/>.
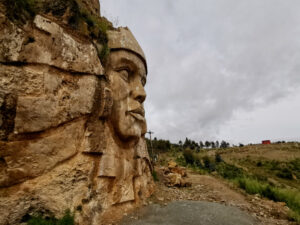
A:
<point x="150" y="133"/>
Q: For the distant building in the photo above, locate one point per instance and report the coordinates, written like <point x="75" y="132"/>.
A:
<point x="266" y="142"/>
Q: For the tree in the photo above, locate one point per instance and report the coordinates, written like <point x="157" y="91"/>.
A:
<point x="213" y="144"/>
<point x="207" y="144"/>
<point x="223" y="144"/>
<point x="187" y="143"/>
<point x="201" y="144"/>
<point x="217" y="144"/>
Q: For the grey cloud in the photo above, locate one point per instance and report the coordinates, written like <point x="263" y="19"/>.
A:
<point x="208" y="59"/>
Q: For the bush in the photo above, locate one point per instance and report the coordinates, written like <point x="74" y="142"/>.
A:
<point x="218" y="158"/>
<point x="206" y="161"/>
<point x="67" y="219"/>
<point x="285" y="174"/>
<point x="229" y="171"/>
<point x="180" y="160"/>
<point x="259" y="164"/>
<point x="188" y="156"/>
<point x="198" y="161"/>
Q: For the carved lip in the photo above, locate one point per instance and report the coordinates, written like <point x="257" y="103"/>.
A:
<point x="138" y="113"/>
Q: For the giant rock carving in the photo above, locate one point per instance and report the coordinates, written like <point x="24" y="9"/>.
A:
<point x="71" y="131"/>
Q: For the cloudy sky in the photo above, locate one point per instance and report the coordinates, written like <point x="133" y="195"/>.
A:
<point x="218" y="69"/>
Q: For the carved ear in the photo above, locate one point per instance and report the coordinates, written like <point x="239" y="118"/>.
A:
<point x="106" y="99"/>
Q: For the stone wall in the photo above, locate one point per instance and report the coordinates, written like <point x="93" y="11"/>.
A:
<point x="59" y="146"/>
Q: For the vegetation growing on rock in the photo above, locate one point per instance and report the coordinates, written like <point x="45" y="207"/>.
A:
<point x="70" y="12"/>
<point x="67" y="219"/>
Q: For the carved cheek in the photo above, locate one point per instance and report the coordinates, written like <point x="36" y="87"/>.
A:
<point x="120" y="88"/>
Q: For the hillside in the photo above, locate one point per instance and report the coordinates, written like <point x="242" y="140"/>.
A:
<point x="260" y="179"/>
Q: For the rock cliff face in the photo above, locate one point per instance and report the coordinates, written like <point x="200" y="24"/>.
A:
<point x="71" y="129"/>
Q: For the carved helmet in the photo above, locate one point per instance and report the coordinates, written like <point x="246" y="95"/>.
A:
<point x="122" y="38"/>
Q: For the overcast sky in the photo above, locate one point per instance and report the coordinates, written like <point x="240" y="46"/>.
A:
<point x="218" y="69"/>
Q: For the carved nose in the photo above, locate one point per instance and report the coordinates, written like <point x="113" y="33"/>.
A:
<point x="139" y="94"/>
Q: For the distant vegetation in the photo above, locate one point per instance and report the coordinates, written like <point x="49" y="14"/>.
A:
<point x="160" y="145"/>
<point x="272" y="171"/>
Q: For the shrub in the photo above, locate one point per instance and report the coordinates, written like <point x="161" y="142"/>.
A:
<point x="259" y="164"/>
<point x="218" y="158"/>
<point x="285" y="174"/>
<point x="275" y="165"/>
<point x="229" y="171"/>
<point x="198" y="161"/>
<point x="67" y="219"/>
<point x="188" y="156"/>
<point x="180" y="160"/>
<point x="206" y="161"/>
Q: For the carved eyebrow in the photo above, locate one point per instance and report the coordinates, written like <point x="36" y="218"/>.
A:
<point x="132" y="65"/>
<point x="124" y="62"/>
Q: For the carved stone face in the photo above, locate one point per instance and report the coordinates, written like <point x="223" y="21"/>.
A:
<point x="127" y="75"/>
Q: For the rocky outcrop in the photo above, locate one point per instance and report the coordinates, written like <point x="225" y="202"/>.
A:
<point x="71" y="138"/>
<point x="174" y="176"/>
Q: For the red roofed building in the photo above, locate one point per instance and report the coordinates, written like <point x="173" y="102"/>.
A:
<point x="266" y="142"/>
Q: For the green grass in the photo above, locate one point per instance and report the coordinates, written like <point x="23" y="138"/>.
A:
<point x="294" y="216"/>
<point x="67" y="219"/>
<point x="290" y="196"/>
<point x="251" y="186"/>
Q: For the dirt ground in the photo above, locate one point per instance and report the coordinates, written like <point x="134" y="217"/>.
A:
<point x="211" y="189"/>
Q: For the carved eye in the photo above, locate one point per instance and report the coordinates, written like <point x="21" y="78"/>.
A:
<point x="143" y="80"/>
<point x="124" y="73"/>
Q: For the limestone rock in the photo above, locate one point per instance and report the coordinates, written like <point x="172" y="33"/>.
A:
<point x="11" y="40"/>
<point x="93" y="6"/>
<point x="30" y="158"/>
<point x="172" y="164"/>
<point x="179" y="170"/>
<point x="25" y="80"/>
<point x="174" y="175"/>
<point x="173" y="179"/>
<point x="65" y="97"/>
<point x="48" y="44"/>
